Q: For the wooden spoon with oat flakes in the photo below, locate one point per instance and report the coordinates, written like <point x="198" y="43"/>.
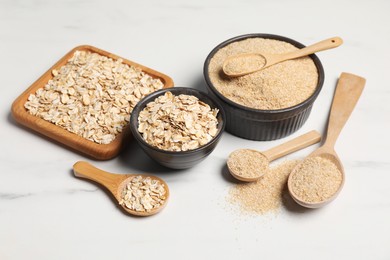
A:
<point x="138" y="194"/>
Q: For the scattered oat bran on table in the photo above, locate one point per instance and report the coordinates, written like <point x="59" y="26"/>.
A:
<point x="265" y="195"/>
<point x="92" y="96"/>
<point x="279" y="86"/>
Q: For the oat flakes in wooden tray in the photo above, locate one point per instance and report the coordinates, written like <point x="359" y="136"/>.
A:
<point x="84" y="101"/>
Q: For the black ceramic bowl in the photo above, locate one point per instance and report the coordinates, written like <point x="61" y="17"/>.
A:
<point x="185" y="159"/>
<point x="263" y="125"/>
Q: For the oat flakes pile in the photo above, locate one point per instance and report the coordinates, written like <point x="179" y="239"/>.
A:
<point x="92" y="96"/>
<point x="177" y="123"/>
<point x="143" y="194"/>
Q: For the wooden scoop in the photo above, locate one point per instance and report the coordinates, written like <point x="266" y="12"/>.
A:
<point x="241" y="168"/>
<point x="348" y="91"/>
<point x="116" y="183"/>
<point x="247" y="63"/>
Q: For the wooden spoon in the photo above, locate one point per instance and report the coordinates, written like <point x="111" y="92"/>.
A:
<point x="116" y="183"/>
<point x="247" y="63"/>
<point x="348" y="91"/>
<point x="254" y="166"/>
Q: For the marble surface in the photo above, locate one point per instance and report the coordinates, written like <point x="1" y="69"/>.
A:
<point x="47" y="213"/>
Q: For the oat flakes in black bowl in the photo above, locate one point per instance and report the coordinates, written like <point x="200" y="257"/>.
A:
<point x="170" y="129"/>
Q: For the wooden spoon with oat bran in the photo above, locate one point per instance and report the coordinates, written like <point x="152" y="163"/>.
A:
<point x="249" y="165"/>
<point x="318" y="179"/>
<point x="247" y="63"/>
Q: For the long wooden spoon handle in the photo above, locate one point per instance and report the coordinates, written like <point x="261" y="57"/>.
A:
<point x="88" y="171"/>
<point x="348" y="91"/>
<point x="319" y="46"/>
<point x="293" y="145"/>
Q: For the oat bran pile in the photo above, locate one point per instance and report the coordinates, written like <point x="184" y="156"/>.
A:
<point x="317" y="179"/>
<point x="279" y="86"/>
<point x="248" y="163"/>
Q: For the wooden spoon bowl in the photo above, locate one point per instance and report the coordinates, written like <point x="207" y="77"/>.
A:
<point x="330" y="155"/>
<point x="116" y="183"/>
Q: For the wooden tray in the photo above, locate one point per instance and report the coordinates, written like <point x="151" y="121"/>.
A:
<point x="78" y="143"/>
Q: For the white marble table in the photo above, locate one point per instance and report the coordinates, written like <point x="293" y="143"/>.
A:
<point x="46" y="213"/>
